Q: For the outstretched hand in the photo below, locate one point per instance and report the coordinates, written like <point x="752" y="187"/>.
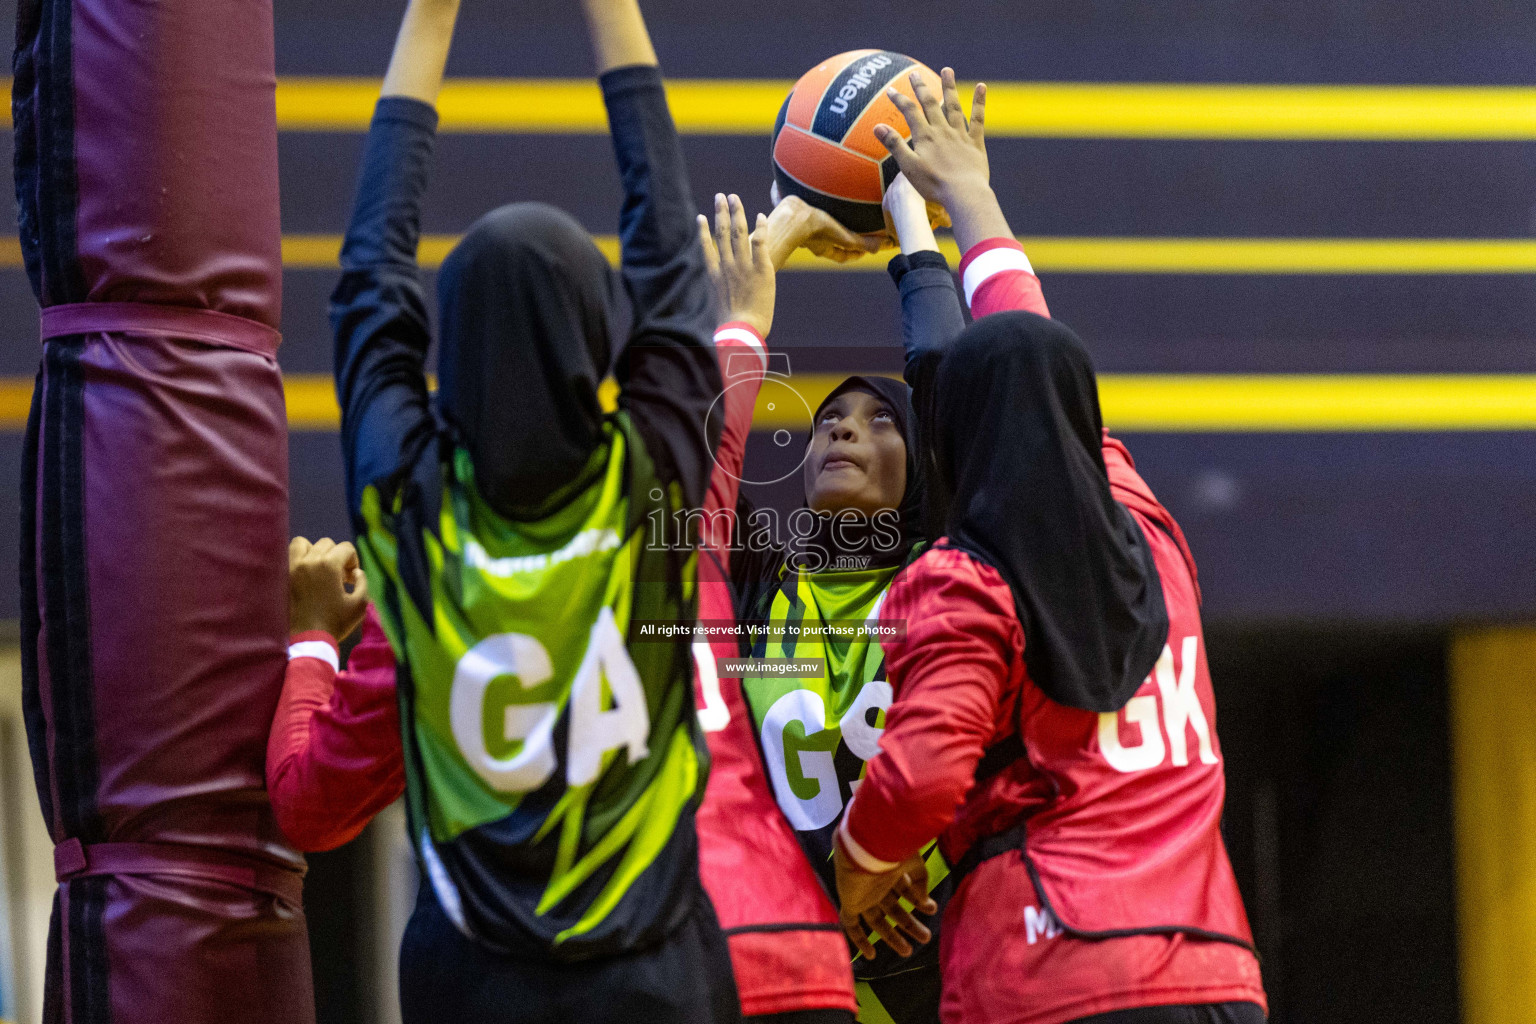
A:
<point x="947" y="155"/>
<point x="871" y="904"/>
<point x="318" y="577"/>
<point x="946" y="158"/>
<point x="739" y="264"/>
<point x="796" y="224"/>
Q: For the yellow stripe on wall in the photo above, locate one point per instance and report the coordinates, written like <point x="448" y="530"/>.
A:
<point x="1014" y="109"/>
<point x="15" y="404"/>
<point x="320" y="252"/>
<point x="1100" y="255"/>
<point x="1109" y="255"/>
<point x="1154" y="403"/>
<point x="1091" y="255"/>
<point x="1091" y="110"/>
<point x="1190" y="403"/>
<point x="1295" y="402"/>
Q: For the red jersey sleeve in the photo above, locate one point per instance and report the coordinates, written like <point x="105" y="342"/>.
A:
<point x="333" y="757"/>
<point x="998" y="277"/>
<point x="950" y="673"/>
<point x="743" y="357"/>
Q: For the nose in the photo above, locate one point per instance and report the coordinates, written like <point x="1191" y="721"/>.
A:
<point x="843" y="430"/>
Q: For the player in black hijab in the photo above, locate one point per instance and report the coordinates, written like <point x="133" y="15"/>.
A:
<point x="1019" y="448"/>
<point x="503" y="531"/>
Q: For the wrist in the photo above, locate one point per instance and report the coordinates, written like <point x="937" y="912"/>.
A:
<point x="311" y="629"/>
<point x="976" y="217"/>
<point x="788" y="227"/>
<point x="856" y="855"/>
<point x="756" y="322"/>
<point x="964" y="194"/>
<point x="914" y="231"/>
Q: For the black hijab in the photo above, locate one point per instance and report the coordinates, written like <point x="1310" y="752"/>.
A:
<point x="1019" y="451"/>
<point x="525" y="300"/>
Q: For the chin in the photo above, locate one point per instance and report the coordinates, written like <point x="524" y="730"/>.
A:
<point x="840" y="499"/>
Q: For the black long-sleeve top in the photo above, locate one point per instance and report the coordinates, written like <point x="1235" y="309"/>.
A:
<point x="666" y="371"/>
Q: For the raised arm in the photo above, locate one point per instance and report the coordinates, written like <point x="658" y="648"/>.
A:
<point x="743" y="275"/>
<point x="619" y="36"/>
<point x="946" y="162"/>
<point x="666" y="373"/>
<point x="744" y="265"/>
<point x="931" y="317"/>
<point x="379" y="310"/>
<point x="421" y="50"/>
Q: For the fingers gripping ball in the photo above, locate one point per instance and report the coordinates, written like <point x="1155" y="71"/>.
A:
<point x="824" y="145"/>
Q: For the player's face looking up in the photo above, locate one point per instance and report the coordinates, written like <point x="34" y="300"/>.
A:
<point x="858" y="456"/>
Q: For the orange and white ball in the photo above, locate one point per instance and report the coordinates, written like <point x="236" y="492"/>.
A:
<point x="824" y="145"/>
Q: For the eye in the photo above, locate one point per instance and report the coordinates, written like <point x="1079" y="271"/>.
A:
<point x="828" y="416"/>
<point x="886" y="415"/>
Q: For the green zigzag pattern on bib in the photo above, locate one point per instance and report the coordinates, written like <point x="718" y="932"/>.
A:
<point x="573" y="582"/>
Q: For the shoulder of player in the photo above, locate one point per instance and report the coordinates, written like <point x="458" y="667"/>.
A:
<point x="943" y="578"/>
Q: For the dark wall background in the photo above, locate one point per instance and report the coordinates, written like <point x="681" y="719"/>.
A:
<point x="1338" y="818"/>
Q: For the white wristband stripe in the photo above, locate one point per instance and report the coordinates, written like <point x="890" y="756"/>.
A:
<point x="990" y="263"/>
<point x="860" y="856"/>
<point x="747" y="338"/>
<point x="315" y="649"/>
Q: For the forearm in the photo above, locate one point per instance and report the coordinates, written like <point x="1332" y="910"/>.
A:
<point x="994" y="270"/>
<point x="662" y="261"/>
<point x="913" y="788"/>
<point x="931" y="317"/>
<point x="385" y="226"/>
<point x="333" y="758"/>
<point x="618" y="33"/>
<point x="914" y="229"/>
<point x="667" y="373"/>
<point x="421" y="50"/>
<point x="976" y="216"/>
<point x="998" y="278"/>
<point x="307" y="687"/>
<point x="742" y="355"/>
<point x="378" y="310"/>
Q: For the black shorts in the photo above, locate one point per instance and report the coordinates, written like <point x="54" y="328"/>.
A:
<point x="445" y="976"/>
<point x="1206" y="1013"/>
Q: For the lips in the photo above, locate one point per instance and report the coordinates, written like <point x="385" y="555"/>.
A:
<point x="840" y="459"/>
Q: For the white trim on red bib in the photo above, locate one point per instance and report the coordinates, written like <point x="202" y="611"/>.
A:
<point x="739" y="332"/>
<point x="989" y="264"/>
